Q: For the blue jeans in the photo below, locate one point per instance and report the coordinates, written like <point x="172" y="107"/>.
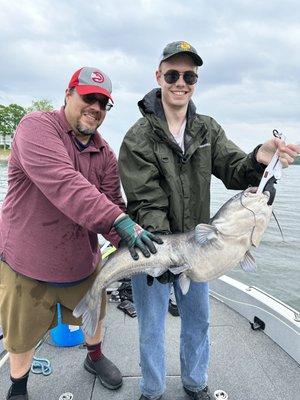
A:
<point x="152" y="303"/>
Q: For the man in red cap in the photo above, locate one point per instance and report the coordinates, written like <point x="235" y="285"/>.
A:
<point x="63" y="190"/>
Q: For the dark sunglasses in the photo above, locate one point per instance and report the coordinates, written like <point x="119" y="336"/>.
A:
<point x="172" y="76"/>
<point x="93" y="98"/>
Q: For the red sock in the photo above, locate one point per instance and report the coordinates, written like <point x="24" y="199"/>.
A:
<point x="94" y="351"/>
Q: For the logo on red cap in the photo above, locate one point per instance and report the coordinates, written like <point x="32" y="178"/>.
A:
<point x="97" y="77"/>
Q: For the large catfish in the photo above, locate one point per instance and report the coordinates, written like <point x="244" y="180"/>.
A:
<point x="200" y="255"/>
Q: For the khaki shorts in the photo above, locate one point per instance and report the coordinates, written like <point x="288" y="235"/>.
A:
<point x="28" y="307"/>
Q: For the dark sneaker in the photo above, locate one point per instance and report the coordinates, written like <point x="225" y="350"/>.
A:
<point x="16" y="396"/>
<point x="108" y="374"/>
<point x="147" y="398"/>
<point x="201" y="395"/>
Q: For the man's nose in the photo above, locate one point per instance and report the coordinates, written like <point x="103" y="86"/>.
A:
<point x="96" y="106"/>
<point x="180" y="81"/>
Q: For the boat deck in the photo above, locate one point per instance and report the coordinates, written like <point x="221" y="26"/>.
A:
<point x="246" y="364"/>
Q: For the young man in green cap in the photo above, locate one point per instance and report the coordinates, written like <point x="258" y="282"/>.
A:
<point x="176" y="151"/>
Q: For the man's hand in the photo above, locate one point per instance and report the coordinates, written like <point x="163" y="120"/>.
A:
<point x="136" y="237"/>
<point x="287" y="153"/>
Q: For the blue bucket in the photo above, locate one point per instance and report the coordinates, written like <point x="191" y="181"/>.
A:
<point x="64" y="335"/>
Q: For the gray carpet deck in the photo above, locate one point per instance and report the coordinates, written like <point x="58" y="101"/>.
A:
<point x="244" y="363"/>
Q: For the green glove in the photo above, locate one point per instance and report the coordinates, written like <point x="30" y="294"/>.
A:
<point x="135" y="236"/>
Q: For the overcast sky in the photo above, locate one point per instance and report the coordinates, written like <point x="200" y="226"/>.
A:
<point x="249" y="82"/>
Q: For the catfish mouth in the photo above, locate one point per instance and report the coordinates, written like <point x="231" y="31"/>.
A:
<point x="269" y="190"/>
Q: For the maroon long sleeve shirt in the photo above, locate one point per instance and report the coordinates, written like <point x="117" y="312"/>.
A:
<point x="58" y="199"/>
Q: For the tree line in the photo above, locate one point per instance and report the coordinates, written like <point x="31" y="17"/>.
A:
<point x="11" y="115"/>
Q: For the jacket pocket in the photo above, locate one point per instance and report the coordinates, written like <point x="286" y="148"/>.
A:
<point x="201" y="160"/>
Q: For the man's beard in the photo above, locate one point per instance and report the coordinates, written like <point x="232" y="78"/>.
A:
<point x="83" y="130"/>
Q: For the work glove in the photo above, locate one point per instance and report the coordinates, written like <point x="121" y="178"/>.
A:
<point x="135" y="236"/>
<point x="166" y="277"/>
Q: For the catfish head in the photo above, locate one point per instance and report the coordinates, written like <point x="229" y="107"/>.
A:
<point x="246" y="213"/>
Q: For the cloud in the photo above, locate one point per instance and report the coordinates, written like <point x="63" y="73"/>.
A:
<point x="250" y="77"/>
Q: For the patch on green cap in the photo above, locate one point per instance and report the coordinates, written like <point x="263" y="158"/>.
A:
<point x="181" y="47"/>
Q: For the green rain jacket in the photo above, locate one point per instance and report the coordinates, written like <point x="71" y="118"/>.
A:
<point x="168" y="190"/>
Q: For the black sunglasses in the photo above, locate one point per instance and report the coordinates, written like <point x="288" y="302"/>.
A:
<point x="172" y="76"/>
<point x="93" y="97"/>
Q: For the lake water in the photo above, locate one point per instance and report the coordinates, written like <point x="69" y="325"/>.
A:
<point x="278" y="261"/>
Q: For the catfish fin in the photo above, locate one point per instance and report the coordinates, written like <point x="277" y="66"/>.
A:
<point x="217" y="244"/>
<point x="205" y="233"/>
<point x="178" y="269"/>
<point x="184" y="283"/>
<point x="90" y="317"/>
<point x="154" y="272"/>
<point x="248" y="263"/>
<point x="175" y="268"/>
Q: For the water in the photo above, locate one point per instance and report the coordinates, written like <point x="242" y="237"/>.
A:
<point x="278" y="261"/>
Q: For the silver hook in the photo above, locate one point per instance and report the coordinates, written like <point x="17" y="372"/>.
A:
<point x="277" y="134"/>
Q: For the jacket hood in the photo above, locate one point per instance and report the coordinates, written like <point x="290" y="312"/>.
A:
<point x="152" y="104"/>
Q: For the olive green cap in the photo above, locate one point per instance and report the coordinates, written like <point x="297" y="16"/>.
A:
<point x="181" y="47"/>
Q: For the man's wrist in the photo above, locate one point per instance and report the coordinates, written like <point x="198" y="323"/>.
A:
<point x="259" y="167"/>
<point x="120" y="218"/>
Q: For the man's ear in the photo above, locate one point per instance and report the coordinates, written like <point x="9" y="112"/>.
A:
<point x="68" y="93"/>
<point x="158" y="76"/>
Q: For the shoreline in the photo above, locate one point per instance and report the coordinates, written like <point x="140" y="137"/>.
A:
<point x="4" y="154"/>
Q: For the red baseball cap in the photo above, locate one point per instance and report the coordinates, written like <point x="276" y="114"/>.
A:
<point x="88" y="80"/>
